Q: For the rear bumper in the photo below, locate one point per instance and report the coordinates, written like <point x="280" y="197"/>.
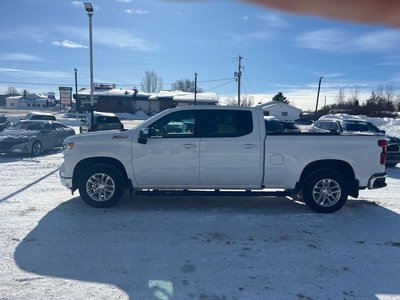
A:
<point x="377" y="181"/>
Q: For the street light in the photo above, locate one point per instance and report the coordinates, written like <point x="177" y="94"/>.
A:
<point x="316" y="105"/>
<point x="76" y="92"/>
<point x="89" y="10"/>
<point x="195" y="89"/>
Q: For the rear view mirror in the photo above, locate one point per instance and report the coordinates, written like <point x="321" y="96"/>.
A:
<point x="143" y="135"/>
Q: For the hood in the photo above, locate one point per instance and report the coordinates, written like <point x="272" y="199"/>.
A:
<point x="11" y="134"/>
<point x="99" y="135"/>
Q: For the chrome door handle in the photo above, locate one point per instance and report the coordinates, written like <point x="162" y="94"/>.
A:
<point x="189" y="146"/>
<point x="249" y="146"/>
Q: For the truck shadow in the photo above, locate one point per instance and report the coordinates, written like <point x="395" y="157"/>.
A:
<point x="219" y="248"/>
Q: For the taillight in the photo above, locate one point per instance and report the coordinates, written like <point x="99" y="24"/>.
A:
<point x="383" y="144"/>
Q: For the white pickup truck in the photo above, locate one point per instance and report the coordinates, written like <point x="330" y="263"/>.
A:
<point x="198" y="148"/>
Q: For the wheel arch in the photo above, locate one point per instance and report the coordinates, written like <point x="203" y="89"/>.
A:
<point x="85" y="163"/>
<point x="331" y="164"/>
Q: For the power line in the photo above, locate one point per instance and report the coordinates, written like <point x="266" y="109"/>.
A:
<point x="118" y="84"/>
<point x="220" y="85"/>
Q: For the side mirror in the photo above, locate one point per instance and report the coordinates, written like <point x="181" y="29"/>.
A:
<point x="382" y="131"/>
<point x="143" y="135"/>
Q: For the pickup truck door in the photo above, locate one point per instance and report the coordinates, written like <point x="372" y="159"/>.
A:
<point x="231" y="149"/>
<point x="170" y="158"/>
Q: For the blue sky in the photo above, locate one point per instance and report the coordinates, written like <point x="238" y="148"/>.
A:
<point x="43" y="40"/>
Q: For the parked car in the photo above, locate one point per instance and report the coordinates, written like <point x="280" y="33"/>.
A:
<point x="40" y="116"/>
<point x="272" y="125"/>
<point x="33" y="136"/>
<point x="290" y="126"/>
<point x="102" y="121"/>
<point x="352" y="126"/>
<point x="4" y="122"/>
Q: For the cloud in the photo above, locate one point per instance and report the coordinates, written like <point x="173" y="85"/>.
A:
<point x="77" y="3"/>
<point x="19" y="57"/>
<point x="137" y="11"/>
<point x="274" y="21"/>
<point x="111" y="37"/>
<point x="329" y="40"/>
<point x="125" y="1"/>
<point x="41" y="74"/>
<point x="246" y="38"/>
<point x="379" y="40"/>
<point x="340" y="41"/>
<point x="245" y="18"/>
<point x="68" y="44"/>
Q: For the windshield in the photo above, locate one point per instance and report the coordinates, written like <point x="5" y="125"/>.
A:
<point x="27" y="126"/>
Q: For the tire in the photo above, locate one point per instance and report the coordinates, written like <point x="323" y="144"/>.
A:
<point x="101" y="185"/>
<point x="325" y="191"/>
<point x="37" y="148"/>
<point x="390" y="165"/>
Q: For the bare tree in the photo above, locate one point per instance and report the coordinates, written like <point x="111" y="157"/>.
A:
<point x="231" y="102"/>
<point x="12" y="91"/>
<point x="341" y="96"/>
<point x="151" y="82"/>
<point x="390" y="93"/>
<point x="354" y="96"/>
<point x="185" y="85"/>
<point x="247" y="100"/>
<point x="379" y="91"/>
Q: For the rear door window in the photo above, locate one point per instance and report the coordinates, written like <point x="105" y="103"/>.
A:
<point x="225" y="123"/>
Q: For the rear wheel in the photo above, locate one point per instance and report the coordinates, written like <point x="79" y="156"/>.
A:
<point x="101" y="185"/>
<point x="325" y="191"/>
<point x="37" y="148"/>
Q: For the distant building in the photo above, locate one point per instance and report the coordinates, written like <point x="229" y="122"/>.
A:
<point x="110" y="99"/>
<point x="167" y="99"/>
<point x="107" y="98"/>
<point x="3" y="100"/>
<point x="281" y="111"/>
<point x="29" y="102"/>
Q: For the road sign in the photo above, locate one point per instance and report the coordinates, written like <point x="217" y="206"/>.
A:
<point x="65" y="95"/>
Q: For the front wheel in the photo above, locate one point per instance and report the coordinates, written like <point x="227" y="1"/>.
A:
<point x="325" y="191"/>
<point x="37" y="148"/>
<point x="101" y="186"/>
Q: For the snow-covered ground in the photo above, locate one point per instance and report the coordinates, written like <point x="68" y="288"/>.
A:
<point x="53" y="246"/>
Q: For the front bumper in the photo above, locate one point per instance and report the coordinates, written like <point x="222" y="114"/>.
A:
<point x="65" y="180"/>
<point x="377" y="181"/>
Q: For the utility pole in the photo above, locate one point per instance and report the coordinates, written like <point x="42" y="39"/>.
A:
<point x="325" y="101"/>
<point x="238" y="76"/>
<point x="195" y="89"/>
<point x="316" y="105"/>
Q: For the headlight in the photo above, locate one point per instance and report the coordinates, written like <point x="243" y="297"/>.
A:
<point x="68" y="146"/>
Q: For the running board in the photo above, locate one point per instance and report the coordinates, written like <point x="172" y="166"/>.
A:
<point x="212" y="193"/>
